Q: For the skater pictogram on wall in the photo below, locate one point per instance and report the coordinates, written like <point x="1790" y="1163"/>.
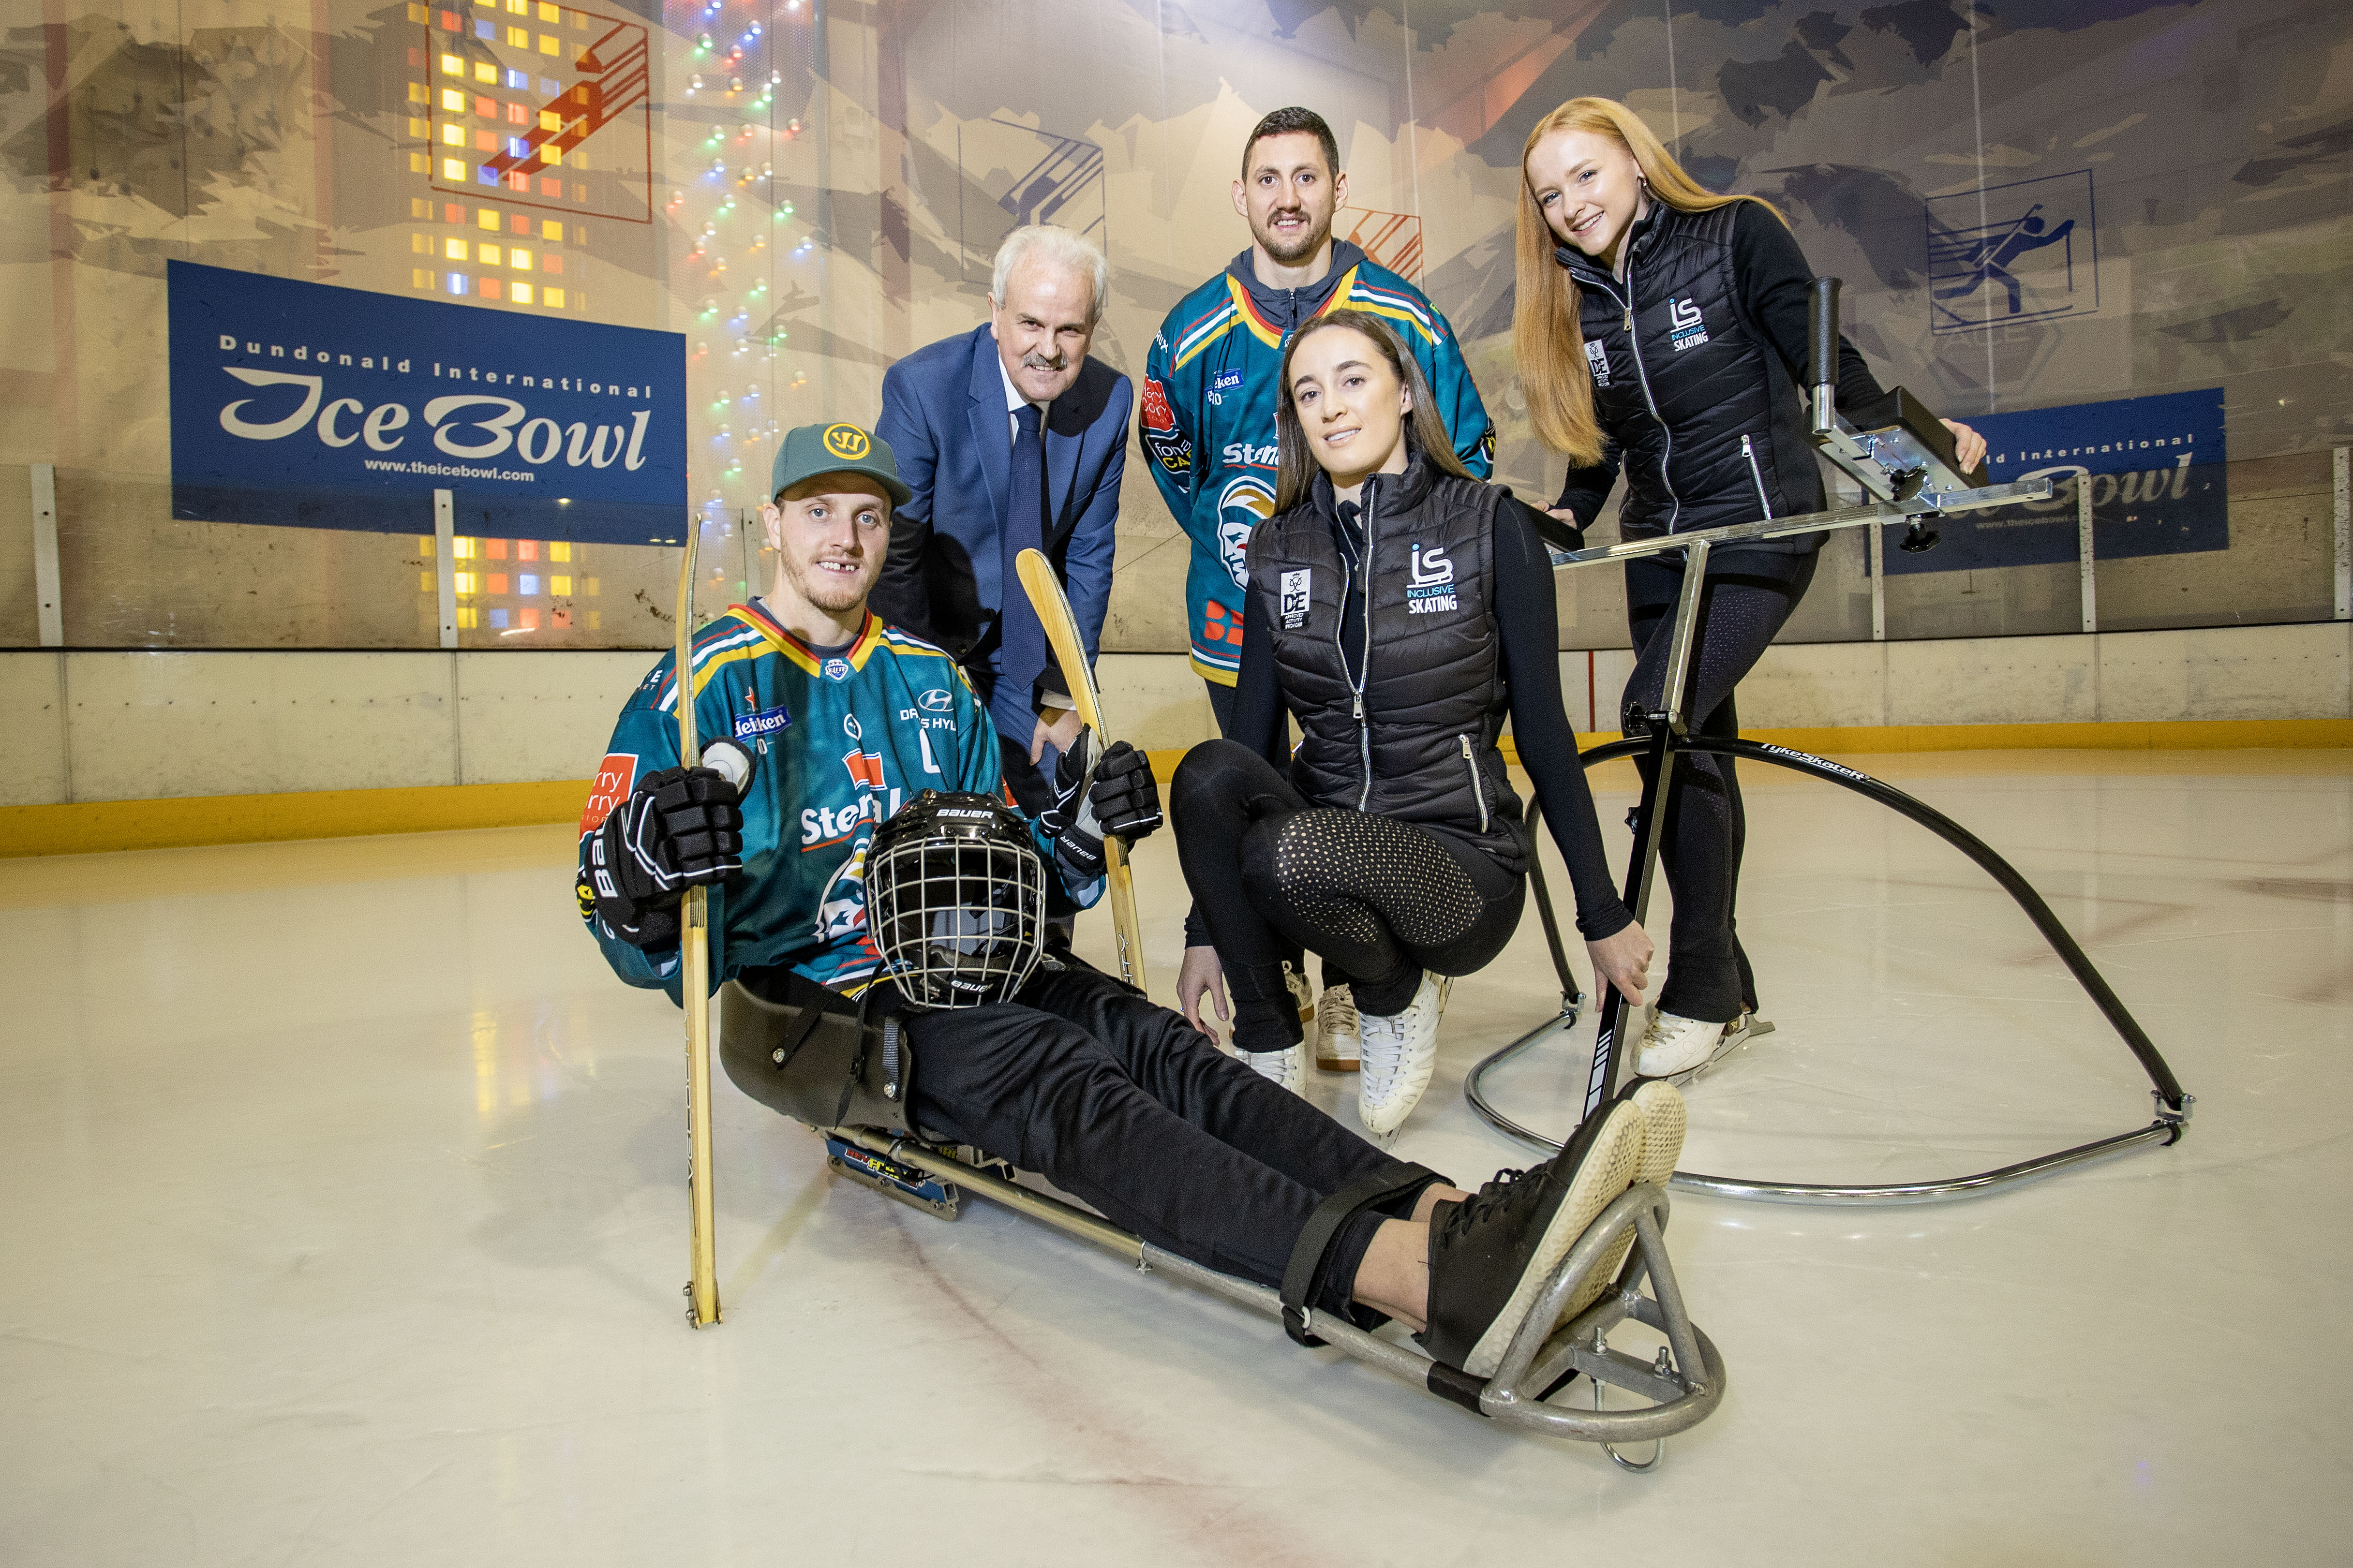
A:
<point x="2019" y="252"/>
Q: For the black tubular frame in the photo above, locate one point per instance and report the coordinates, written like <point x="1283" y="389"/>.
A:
<point x="2173" y="1105"/>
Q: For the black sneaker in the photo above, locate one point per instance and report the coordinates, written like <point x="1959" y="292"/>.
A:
<point x="1490" y="1255"/>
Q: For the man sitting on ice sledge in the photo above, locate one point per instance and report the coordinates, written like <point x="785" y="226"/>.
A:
<point x="1069" y="1074"/>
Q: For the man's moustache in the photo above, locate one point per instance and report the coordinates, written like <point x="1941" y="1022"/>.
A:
<point x="1038" y="362"/>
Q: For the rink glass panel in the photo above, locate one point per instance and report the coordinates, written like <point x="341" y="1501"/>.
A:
<point x="810" y="192"/>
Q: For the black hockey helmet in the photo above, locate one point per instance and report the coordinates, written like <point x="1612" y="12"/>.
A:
<point x="955" y="899"/>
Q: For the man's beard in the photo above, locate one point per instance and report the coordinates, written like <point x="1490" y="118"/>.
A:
<point x="1310" y="240"/>
<point x="832" y="594"/>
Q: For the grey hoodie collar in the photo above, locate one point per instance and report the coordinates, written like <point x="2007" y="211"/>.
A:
<point x="1287" y="308"/>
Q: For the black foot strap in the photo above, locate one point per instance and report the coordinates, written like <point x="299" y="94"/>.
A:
<point x="1311" y="1259"/>
<point x="1462" y="1388"/>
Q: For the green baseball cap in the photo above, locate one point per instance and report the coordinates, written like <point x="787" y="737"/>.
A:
<point x="836" y="448"/>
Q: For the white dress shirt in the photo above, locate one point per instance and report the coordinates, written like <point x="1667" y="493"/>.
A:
<point x="1014" y="398"/>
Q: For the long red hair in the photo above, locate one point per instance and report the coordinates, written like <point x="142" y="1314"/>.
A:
<point x="1546" y="337"/>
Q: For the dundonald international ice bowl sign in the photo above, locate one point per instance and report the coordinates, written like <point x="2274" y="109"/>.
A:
<point x="2153" y="468"/>
<point x="307" y="406"/>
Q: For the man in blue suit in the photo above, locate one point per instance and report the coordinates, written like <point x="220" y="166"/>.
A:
<point x="1010" y="436"/>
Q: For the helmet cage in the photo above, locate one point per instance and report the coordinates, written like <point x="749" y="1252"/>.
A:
<point x="956" y="900"/>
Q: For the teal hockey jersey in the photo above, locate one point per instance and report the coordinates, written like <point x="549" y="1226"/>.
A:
<point x="1206" y="420"/>
<point x="839" y="742"/>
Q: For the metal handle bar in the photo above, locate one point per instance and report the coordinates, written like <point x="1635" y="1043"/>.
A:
<point x="1924" y="503"/>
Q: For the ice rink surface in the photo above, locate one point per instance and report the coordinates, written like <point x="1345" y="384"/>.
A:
<point x="344" y="1222"/>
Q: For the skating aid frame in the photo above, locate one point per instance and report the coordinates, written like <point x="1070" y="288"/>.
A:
<point x="1670" y="736"/>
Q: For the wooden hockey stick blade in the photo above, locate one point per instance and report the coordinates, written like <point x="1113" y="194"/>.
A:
<point x="1123" y="924"/>
<point x="1053" y="607"/>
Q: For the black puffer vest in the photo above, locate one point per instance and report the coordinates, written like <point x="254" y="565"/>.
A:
<point x="1412" y="734"/>
<point x="1701" y="409"/>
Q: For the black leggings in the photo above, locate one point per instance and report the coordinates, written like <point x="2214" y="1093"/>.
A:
<point x="1745" y="601"/>
<point x="1381" y="899"/>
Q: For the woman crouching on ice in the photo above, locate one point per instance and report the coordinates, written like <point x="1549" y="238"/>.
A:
<point x="1400" y="610"/>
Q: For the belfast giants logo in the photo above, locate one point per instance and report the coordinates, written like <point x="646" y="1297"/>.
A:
<point x="841" y="907"/>
<point x="1245" y="503"/>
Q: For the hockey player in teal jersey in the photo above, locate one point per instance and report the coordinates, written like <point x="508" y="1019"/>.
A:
<point x="840" y="733"/>
<point x="1208" y="407"/>
<point x="1072" y="1075"/>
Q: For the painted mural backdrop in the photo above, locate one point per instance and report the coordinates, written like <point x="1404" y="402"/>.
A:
<point x="2035" y="204"/>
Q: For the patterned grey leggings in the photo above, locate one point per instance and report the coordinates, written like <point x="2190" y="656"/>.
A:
<point x="1380" y="899"/>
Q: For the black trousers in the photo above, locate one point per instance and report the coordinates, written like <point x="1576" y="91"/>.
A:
<point x="1381" y="899"/>
<point x="1221" y="704"/>
<point x="1127" y="1106"/>
<point x="1746" y="599"/>
<point x="1221" y="708"/>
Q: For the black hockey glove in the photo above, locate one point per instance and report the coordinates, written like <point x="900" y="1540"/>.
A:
<point x="1123" y="799"/>
<point x="681" y="828"/>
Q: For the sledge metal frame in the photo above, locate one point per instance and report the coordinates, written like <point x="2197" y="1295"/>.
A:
<point x="1685" y="1381"/>
<point x="1669" y="737"/>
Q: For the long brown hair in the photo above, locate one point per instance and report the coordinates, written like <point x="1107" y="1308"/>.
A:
<point x="1546" y="337"/>
<point x="1425" y="432"/>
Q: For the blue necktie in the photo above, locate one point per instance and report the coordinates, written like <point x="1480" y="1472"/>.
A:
<point x="1021" y="635"/>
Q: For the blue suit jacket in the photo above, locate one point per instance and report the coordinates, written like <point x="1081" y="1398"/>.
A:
<point x="944" y="414"/>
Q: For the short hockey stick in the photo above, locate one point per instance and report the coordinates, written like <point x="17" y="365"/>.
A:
<point x="1053" y="606"/>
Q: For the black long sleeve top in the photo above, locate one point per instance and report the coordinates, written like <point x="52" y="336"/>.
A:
<point x="1775" y="283"/>
<point x="1527" y="625"/>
